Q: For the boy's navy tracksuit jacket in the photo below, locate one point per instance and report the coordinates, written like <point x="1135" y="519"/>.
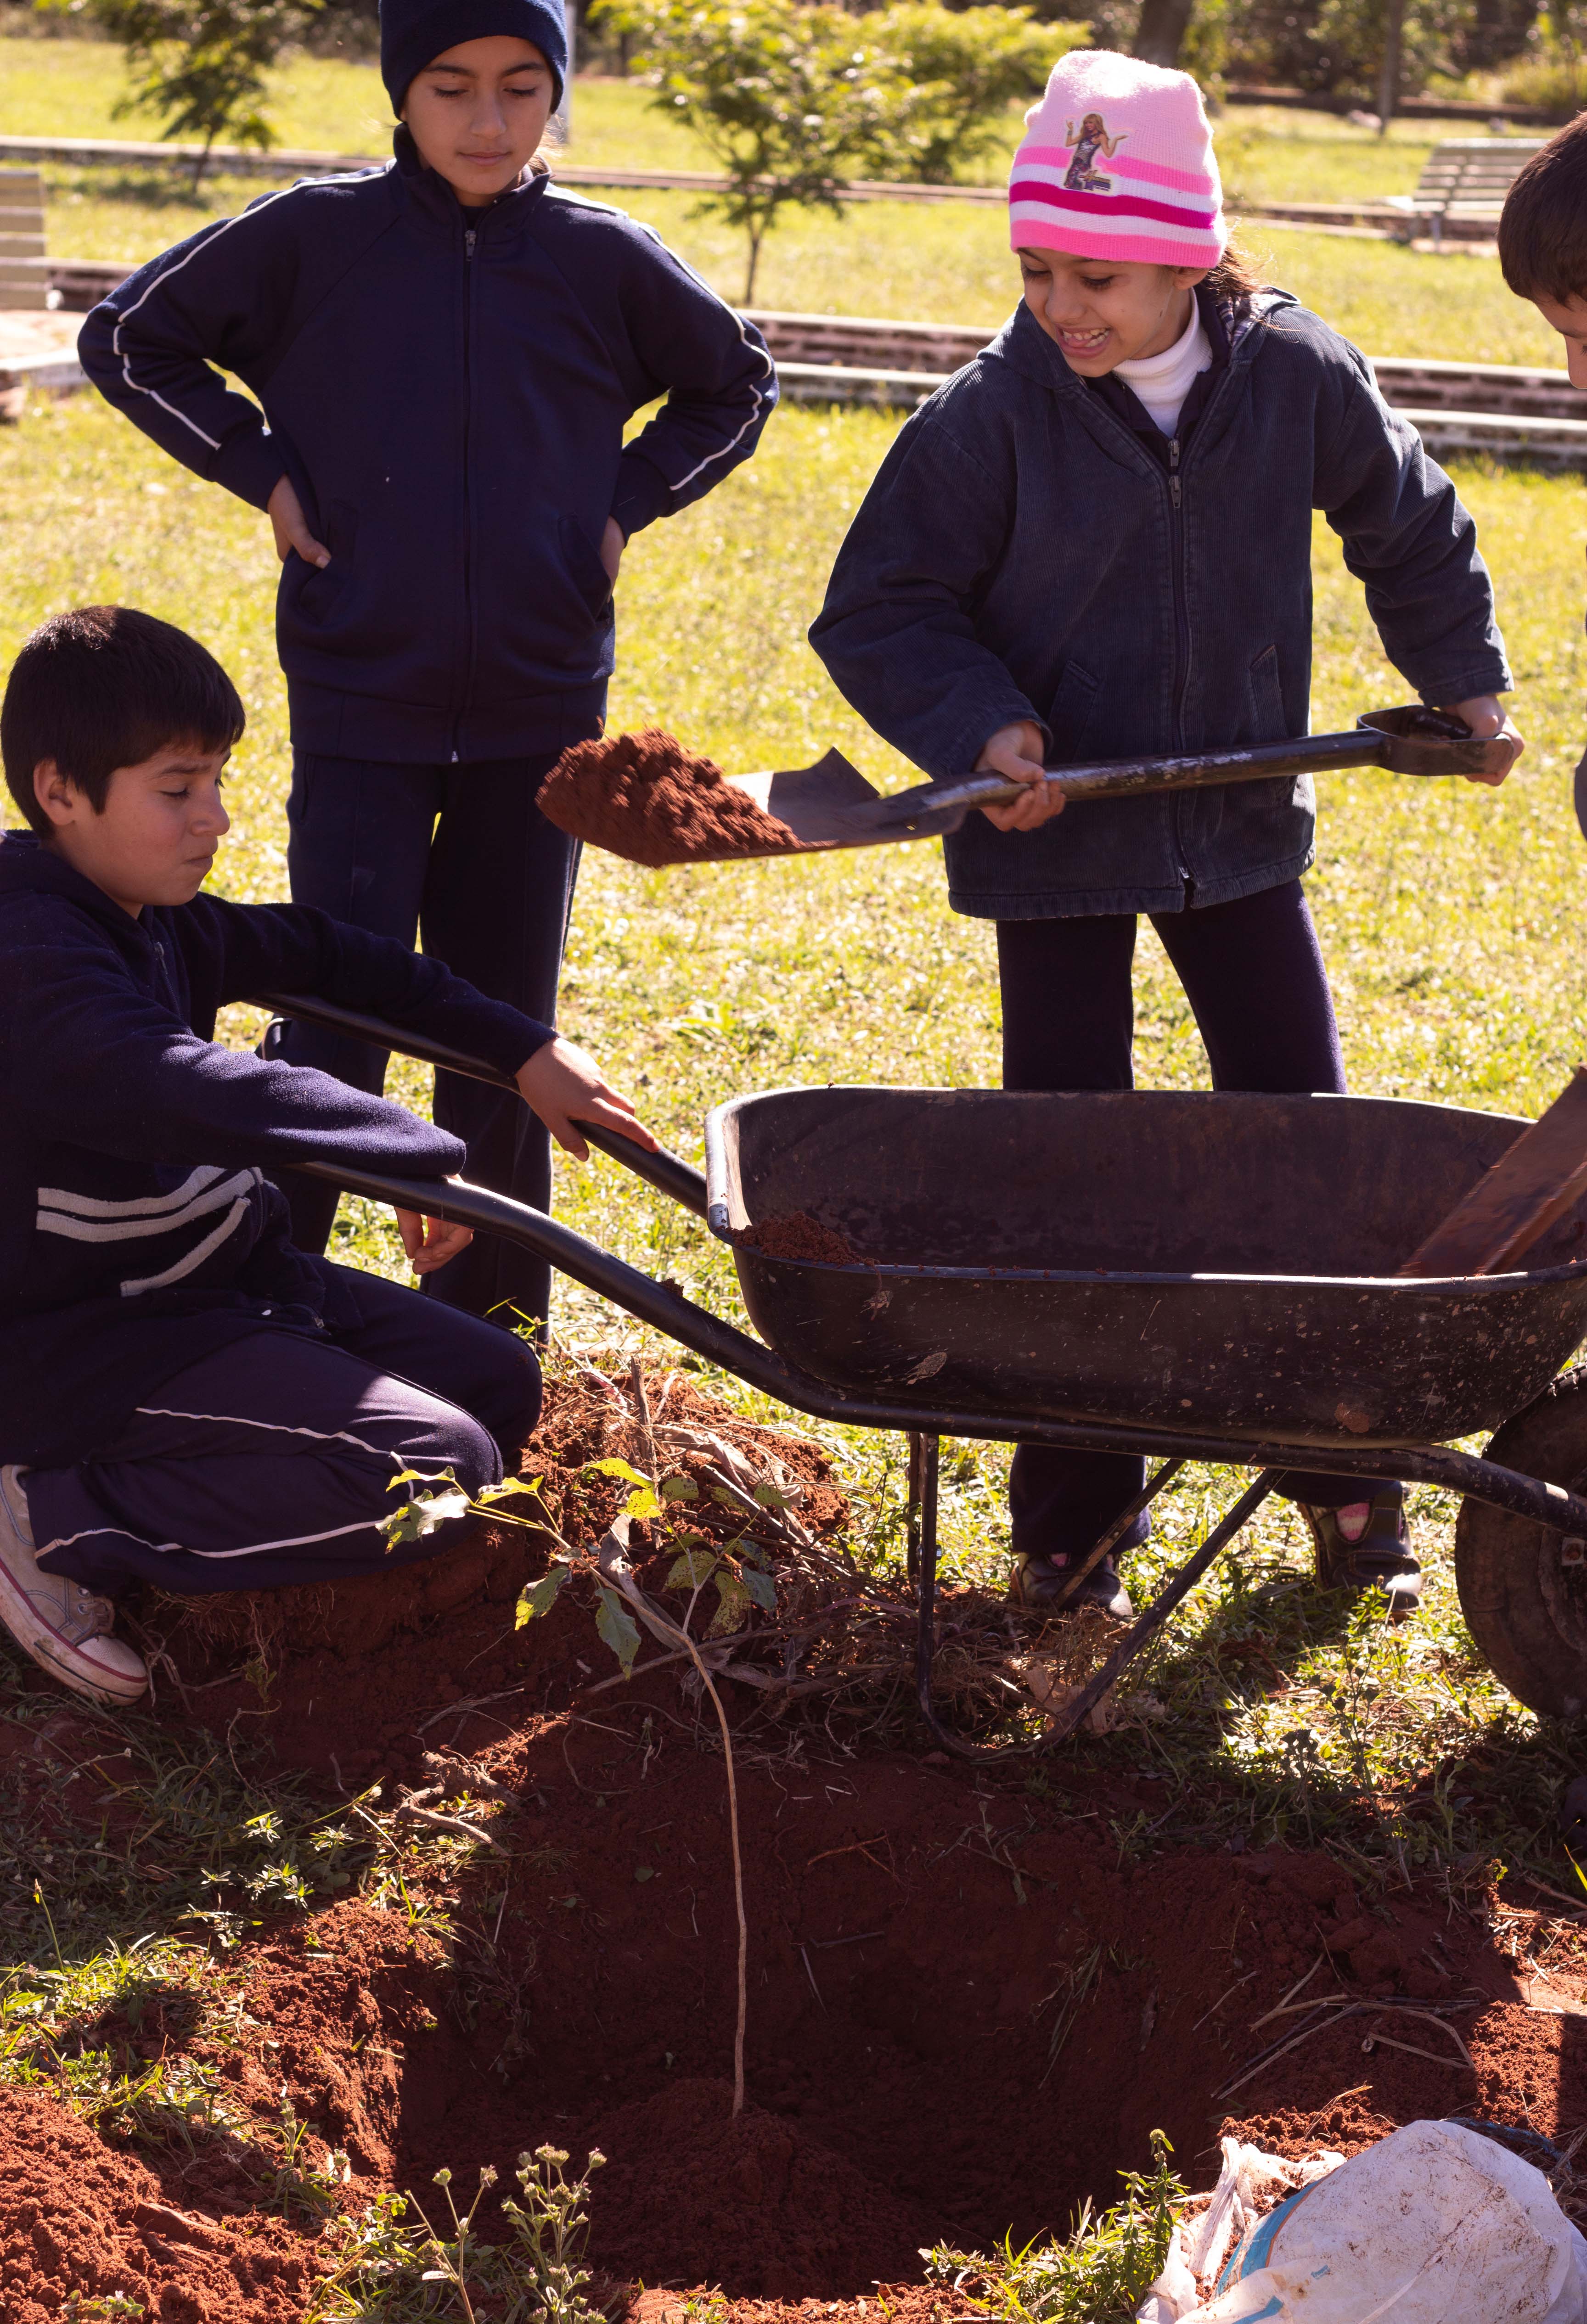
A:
<point x="447" y="391"/>
<point x="138" y="1231"/>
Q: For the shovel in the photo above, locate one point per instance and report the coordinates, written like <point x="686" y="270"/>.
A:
<point x="831" y="804"/>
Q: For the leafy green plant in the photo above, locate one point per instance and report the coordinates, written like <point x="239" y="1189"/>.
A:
<point x="203" y="63"/>
<point x="792" y="102"/>
<point x="1096" y="2275"/>
<point x="967" y="66"/>
<point x="386" y="2270"/>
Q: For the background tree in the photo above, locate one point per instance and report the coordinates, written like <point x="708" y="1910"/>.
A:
<point x="1160" y="32"/>
<point x="203" y="63"/>
<point x="790" y="102"/>
<point x="966" y="66"/>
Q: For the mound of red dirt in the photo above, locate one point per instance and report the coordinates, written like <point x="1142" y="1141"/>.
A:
<point x="76" y="2218"/>
<point x="692" y="2196"/>
<point x="646" y="797"/>
<point x="969" y="2008"/>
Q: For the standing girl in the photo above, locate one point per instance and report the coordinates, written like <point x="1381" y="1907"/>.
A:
<point x="445" y="352"/>
<point x="1094" y="542"/>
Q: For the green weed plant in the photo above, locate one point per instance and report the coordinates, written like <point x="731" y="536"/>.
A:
<point x="1096" y="2274"/>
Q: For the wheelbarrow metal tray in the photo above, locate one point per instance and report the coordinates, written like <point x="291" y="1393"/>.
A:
<point x="1203" y="1262"/>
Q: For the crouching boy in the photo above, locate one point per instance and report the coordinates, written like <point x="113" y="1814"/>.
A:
<point x="184" y="1398"/>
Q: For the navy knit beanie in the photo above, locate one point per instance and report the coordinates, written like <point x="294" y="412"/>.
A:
<point x="414" y="32"/>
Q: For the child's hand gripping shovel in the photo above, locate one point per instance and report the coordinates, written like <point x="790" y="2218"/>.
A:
<point x="646" y="798"/>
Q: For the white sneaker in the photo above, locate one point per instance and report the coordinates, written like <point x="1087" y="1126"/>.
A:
<point x="60" y="1622"/>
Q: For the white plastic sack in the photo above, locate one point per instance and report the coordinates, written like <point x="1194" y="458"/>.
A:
<point x="1249" y="2183"/>
<point x="1435" y="2223"/>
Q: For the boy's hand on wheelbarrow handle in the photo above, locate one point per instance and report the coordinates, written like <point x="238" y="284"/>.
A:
<point x="563" y="1085"/>
<point x="430" y="1243"/>
<point x="1487" y="719"/>
<point x="1020" y="752"/>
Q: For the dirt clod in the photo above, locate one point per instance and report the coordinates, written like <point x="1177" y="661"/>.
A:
<point x="799" y="1236"/>
<point x="644" y="797"/>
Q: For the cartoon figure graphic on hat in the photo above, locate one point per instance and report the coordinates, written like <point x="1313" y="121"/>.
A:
<point x="1083" y="178"/>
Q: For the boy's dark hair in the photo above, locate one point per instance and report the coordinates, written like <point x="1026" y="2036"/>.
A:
<point x="106" y="687"/>
<point x="1543" y="229"/>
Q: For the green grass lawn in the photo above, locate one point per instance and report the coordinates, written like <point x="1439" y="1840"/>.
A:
<point x="51" y="88"/>
<point x="942" y="265"/>
<point x="1450" y="917"/>
<point x="937" y="264"/>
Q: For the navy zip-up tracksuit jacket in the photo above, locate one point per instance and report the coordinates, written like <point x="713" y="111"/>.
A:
<point x="137" y="1229"/>
<point x="447" y="391"/>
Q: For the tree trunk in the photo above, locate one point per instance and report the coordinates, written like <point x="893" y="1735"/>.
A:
<point x="1388" y="80"/>
<point x="1160" y="33"/>
<point x="757" y="232"/>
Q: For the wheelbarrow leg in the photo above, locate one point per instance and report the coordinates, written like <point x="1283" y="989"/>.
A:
<point x="922" y="1562"/>
<point x="1162" y="1606"/>
<point x="1116" y="1532"/>
<point x="919" y="1459"/>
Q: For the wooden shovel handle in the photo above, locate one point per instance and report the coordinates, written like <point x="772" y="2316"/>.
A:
<point x="1541" y="1176"/>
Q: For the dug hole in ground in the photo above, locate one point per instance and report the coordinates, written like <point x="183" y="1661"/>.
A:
<point x="966" y="2014"/>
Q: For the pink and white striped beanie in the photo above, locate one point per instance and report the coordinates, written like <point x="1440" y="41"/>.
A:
<point x="1117" y="163"/>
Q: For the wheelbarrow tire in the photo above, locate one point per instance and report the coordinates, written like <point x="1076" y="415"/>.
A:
<point x="1523" y="1587"/>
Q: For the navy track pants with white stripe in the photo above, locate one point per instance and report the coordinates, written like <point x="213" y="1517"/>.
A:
<point x="272" y="1461"/>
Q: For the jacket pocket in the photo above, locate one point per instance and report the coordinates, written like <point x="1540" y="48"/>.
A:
<point x="1268" y="723"/>
<point x="590" y="576"/>
<point x="1070" y="715"/>
<point x="316" y="592"/>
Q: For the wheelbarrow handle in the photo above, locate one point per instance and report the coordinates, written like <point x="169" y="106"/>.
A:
<point x="668" y="1173"/>
<point x="679" y="1318"/>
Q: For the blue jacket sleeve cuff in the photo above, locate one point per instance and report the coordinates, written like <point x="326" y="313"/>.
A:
<point x="643" y="494"/>
<point x="250" y="464"/>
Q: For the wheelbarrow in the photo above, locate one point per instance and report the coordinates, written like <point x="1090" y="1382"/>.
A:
<point x="1191" y="1277"/>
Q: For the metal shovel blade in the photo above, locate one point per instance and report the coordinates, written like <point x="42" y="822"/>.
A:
<point x="831" y="805"/>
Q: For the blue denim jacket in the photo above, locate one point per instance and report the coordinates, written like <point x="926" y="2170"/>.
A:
<point x="1025" y="552"/>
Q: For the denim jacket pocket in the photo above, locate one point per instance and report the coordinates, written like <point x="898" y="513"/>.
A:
<point x="1070" y="715"/>
<point x="1267" y="698"/>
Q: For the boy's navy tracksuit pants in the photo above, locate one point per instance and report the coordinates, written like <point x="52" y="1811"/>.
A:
<point x="273" y="1460"/>
<point x="1253" y="974"/>
<point x="462" y="857"/>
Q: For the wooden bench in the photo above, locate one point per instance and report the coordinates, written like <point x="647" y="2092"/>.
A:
<point x="1461" y="189"/>
<point x="23" y="281"/>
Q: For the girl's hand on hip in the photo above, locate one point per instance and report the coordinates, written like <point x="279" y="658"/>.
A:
<point x="563" y="1085"/>
<point x="1019" y="753"/>
<point x="290" y="527"/>
<point x="613" y="542"/>
<point x="1486" y="716"/>
<point x="430" y="1243"/>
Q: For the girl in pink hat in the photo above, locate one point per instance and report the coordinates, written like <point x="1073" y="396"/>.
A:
<point x="1094" y="542"/>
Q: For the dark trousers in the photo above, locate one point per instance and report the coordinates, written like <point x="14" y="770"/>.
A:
<point x="1253" y="974"/>
<point x="462" y="857"/>
<point x="273" y="1460"/>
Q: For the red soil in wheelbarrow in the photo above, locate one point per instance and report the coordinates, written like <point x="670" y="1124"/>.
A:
<point x="919" y="1930"/>
<point x="646" y="797"/>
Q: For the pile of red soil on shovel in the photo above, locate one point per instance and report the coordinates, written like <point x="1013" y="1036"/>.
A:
<point x="968" y="2007"/>
<point x="644" y="797"/>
